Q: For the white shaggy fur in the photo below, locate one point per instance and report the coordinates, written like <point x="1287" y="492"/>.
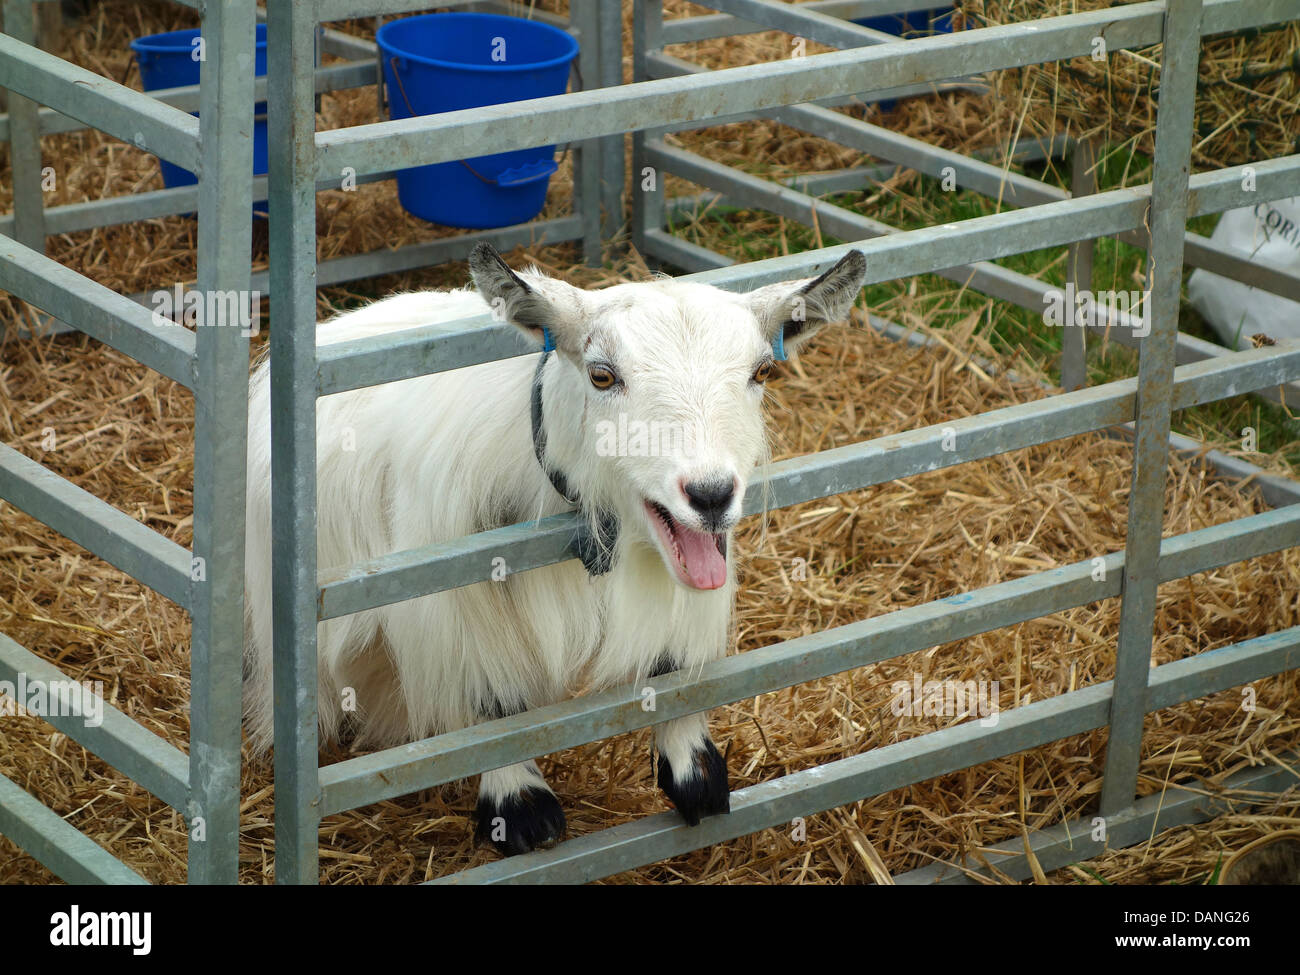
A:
<point x="430" y="459"/>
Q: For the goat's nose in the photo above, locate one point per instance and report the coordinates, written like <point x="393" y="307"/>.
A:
<point x="711" y="498"/>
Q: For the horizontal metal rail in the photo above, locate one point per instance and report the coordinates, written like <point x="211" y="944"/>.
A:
<point x="98" y="311"/>
<point x="706" y="27"/>
<point x="756" y="192"/>
<point x="119" y="740"/>
<point x="741" y="189"/>
<point x="91" y="98"/>
<point x="332" y="77"/>
<point x="777" y="802"/>
<point x="1181" y="804"/>
<point x="68" y="852"/>
<point x="1201" y="252"/>
<point x="408" y="768"/>
<point x="1276" y="490"/>
<point x="733" y="91"/>
<point x="96" y="525"/>
<point x="434" y="568"/>
<point x="802" y="21"/>
<point x="431" y="253"/>
<point x="419" y="351"/>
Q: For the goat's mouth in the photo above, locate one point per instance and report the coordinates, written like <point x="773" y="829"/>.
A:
<point x="698" y="558"/>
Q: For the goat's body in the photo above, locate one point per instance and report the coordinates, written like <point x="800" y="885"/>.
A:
<point x="431" y="459"/>
<point x="415" y="463"/>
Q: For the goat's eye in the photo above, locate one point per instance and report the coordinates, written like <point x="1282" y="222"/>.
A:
<point x="601" y="377"/>
<point x="764" y="372"/>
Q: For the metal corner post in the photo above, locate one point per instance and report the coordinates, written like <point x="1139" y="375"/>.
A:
<point x="612" y="159"/>
<point x="647" y="203"/>
<point x="291" y="36"/>
<point x="584" y="17"/>
<point x="1078" y="268"/>
<point x="25" y="140"/>
<point x="220" y="431"/>
<point x="1167" y="218"/>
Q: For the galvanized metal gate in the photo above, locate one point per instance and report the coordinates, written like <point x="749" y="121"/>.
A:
<point x="667" y="93"/>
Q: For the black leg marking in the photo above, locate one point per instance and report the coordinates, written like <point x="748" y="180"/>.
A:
<point x="705" y="794"/>
<point x="529" y="820"/>
<point x="664" y="664"/>
<point x="494" y="708"/>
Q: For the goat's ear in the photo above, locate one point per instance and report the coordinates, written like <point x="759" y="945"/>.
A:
<point x="533" y="305"/>
<point x="790" y="313"/>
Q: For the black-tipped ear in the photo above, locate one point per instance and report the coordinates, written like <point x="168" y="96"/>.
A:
<point x="794" y="310"/>
<point x="532" y="305"/>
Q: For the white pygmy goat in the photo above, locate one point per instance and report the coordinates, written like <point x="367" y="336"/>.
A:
<point x="430" y="459"/>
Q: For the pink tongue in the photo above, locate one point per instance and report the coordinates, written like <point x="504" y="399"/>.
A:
<point x="705" y="566"/>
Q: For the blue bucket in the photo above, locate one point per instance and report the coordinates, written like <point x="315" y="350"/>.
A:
<point x="446" y="62"/>
<point x="914" y="23"/>
<point x="167" y="61"/>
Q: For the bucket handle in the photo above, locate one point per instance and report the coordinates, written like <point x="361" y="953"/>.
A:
<point x="490" y="180"/>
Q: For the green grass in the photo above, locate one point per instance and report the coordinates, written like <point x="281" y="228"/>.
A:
<point x="750" y="235"/>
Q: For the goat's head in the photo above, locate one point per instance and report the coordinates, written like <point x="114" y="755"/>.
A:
<point x="665" y="386"/>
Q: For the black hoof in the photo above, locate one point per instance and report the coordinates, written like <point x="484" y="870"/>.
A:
<point x="529" y="820"/>
<point x="705" y="794"/>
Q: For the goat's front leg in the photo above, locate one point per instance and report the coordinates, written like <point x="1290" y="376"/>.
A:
<point x="692" y="772"/>
<point x="517" y="810"/>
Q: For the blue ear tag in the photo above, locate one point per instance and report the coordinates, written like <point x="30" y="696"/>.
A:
<point x="778" y="347"/>
<point x="548" y="343"/>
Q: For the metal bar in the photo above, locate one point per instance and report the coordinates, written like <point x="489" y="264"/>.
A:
<point x="291" y="28"/>
<point x="25" y="164"/>
<point x="880" y="770"/>
<point x="682" y="253"/>
<point x="685" y="30"/>
<point x="220" y="444"/>
<point x="330" y="10"/>
<point x="408" y="768"/>
<point x="647" y="183"/>
<point x="587" y="159"/>
<point x="416" y="572"/>
<point x="67" y="851"/>
<point x="1204" y="253"/>
<point x="862" y="177"/>
<point x="427" y="254"/>
<point x="114" y="536"/>
<point x="803" y="22"/>
<point x="1078" y="269"/>
<point x="1276" y="491"/>
<point x="448" y="565"/>
<point x="609" y="28"/>
<point x="432" y="253"/>
<point x="732" y="91"/>
<point x="334" y="77"/>
<point x="98" y="311"/>
<point x="1168" y="220"/>
<point x="888" y="257"/>
<point x="105" y="105"/>
<point x="985" y="177"/>
<point x="1071" y="842"/>
<point x="122" y="742"/>
<point x="992" y="180"/>
<point x="755" y="192"/>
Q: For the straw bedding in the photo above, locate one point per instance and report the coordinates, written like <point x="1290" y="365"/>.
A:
<point x="125" y="434"/>
<point x="1247" y="100"/>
